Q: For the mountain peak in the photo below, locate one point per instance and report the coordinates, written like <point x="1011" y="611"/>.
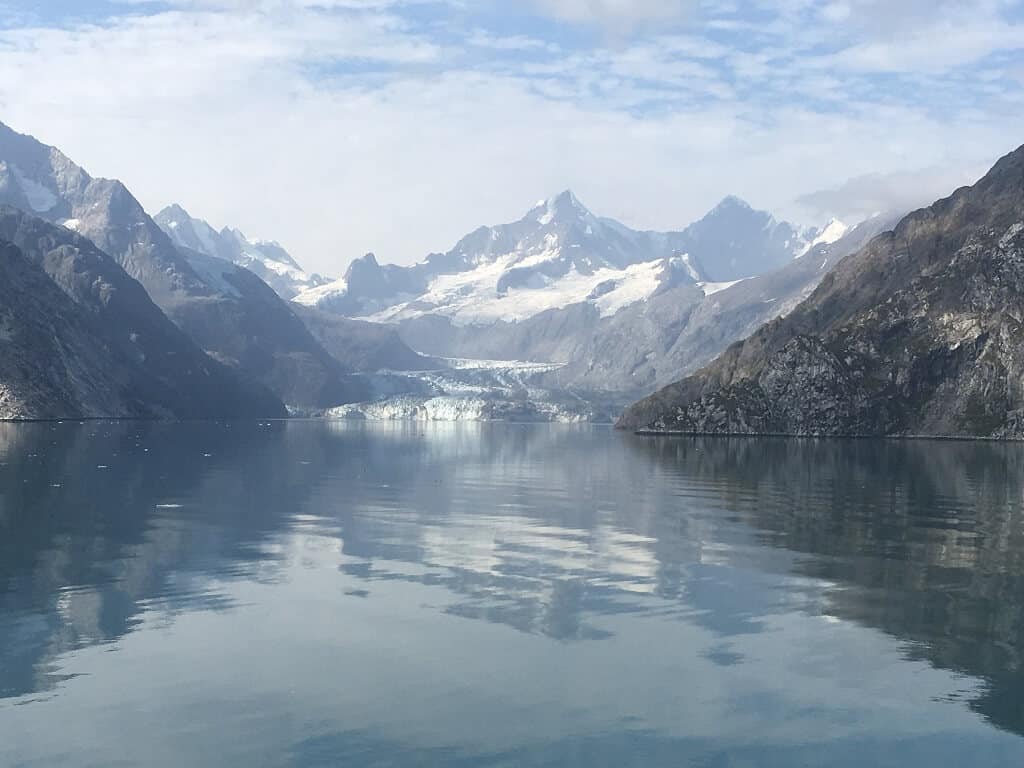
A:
<point x="362" y="265"/>
<point x="563" y="206"/>
<point x="174" y="209"/>
<point x="731" y="202"/>
<point x="172" y="216"/>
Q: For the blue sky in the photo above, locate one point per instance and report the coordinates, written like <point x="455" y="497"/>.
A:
<point x="343" y="126"/>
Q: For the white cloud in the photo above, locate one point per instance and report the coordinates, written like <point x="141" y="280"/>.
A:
<point x="900" y="191"/>
<point x="350" y="130"/>
<point x="605" y="12"/>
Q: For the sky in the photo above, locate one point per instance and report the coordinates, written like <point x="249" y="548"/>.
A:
<point x="339" y="127"/>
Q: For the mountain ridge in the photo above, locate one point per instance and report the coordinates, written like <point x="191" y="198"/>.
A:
<point x="221" y="306"/>
<point x="913" y="334"/>
<point x="82" y="339"/>
<point x="267" y="259"/>
<point x="560" y="253"/>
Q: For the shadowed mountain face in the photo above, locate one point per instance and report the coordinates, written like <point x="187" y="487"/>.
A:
<point x="917" y="333"/>
<point x="362" y="346"/>
<point x="225" y="309"/>
<point x="83" y="339"/>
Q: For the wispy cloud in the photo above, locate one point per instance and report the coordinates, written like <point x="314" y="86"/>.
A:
<point x="341" y="126"/>
<point x="628" y="12"/>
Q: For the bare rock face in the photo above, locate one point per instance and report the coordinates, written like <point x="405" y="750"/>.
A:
<point x="918" y="333"/>
<point x="80" y="338"/>
<point x="225" y="309"/>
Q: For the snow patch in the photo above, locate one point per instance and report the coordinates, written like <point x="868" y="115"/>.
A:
<point x="40" y="198"/>
<point x="694" y="275"/>
<point x="710" y="289"/>
<point x="315" y="296"/>
<point x="638" y="283"/>
<point x="472" y="298"/>
<point x="829" y="234"/>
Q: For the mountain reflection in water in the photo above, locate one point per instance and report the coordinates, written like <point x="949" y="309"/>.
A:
<point x="313" y="593"/>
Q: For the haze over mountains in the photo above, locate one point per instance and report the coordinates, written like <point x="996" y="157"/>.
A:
<point x="917" y="333"/>
<point x="560" y="315"/>
<point x="557" y="288"/>
<point x="80" y="338"/>
<point x="228" y="311"/>
<point x="266" y="259"/>
<point x="606" y="303"/>
<point x="560" y="254"/>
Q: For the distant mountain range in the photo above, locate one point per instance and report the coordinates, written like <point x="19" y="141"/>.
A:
<point x="560" y="254"/>
<point x="919" y="332"/>
<point x="898" y="325"/>
<point x="619" y="310"/>
<point x="265" y="259"/>
<point x="225" y="309"/>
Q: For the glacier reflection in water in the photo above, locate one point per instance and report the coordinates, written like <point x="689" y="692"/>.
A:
<point x="322" y="593"/>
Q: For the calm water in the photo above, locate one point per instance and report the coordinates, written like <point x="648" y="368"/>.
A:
<point x="462" y="595"/>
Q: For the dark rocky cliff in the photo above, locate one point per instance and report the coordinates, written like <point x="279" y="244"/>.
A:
<point x="918" y="333"/>
<point x="80" y="338"/>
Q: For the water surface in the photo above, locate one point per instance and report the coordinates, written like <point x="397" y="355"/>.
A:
<point x="320" y="594"/>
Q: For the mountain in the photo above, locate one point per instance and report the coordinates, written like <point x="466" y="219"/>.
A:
<point x="734" y="241"/>
<point x="362" y="346"/>
<point x="617" y="311"/>
<point x="80" y="338"/>
<point x="228" y="311"/>
<point x="917" y="333"/>
<point x="650" y="343"/>
<point x="265" y="259"/>
<point x="359" y="346"/>
<point x="679" y="330"/>
<point x="559" y="255"/>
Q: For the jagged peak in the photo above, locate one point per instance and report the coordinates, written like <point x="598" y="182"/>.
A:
<point x="563" y="205"/>
<point x="732" y="202"/>
<point x="366" y="260"/>
<point x="173" y="211"/>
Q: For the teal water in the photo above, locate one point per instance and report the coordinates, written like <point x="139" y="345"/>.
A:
<point x="319" y="594"/>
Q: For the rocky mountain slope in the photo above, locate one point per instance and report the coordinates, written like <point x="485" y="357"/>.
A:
<point x="917" y="333"/>
<point x="363" y="347"/>
<point x="225" y="309"/>
<point x="79" y="338"/>
<point x="619" y="311"/>
<point x="265" y="259"/>
<point x="359" y="346"/>
<point x="678" y="330"/>
<point x="560" y="255"/>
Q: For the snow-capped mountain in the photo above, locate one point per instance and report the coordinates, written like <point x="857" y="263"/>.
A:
<point x="81" y="338"/>
<point x="829" y="234"/>
<point x="266" y="258"/>
<point x="560" y="255"/>
<point x="618" y="310"/>
<point x="226" y="310"/>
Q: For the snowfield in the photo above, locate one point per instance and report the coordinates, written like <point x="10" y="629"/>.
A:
<point x="472" y="297"/>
